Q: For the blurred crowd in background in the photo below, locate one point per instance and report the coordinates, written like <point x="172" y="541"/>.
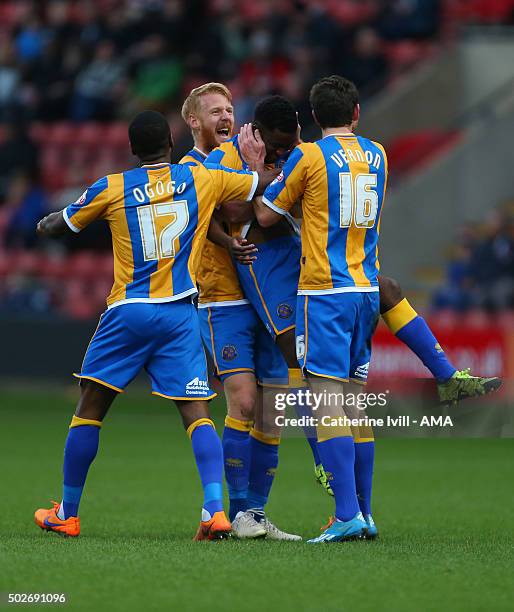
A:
<point x="480" y="271"/>
<point x="72" y="73"/>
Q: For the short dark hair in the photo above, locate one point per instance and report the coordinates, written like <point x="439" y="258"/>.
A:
<point x="276" y="113"/>
<point x="333" y="100"/>
<point x="149" y="133"/>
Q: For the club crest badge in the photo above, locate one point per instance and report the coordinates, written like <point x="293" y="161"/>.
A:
<point x="229" y="352"/>
<point x="284" y="311"/>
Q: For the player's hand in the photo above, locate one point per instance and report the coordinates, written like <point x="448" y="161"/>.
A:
<point x="40" y="227"/>
<point x="252" y="147"/>
<point x="242" y="252"/>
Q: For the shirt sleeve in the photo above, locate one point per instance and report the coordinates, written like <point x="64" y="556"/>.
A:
<point x="91" y="205"/>
<point x="232" y="184"/>
<point x="282" y="194"/>
<point x="216" y="156"/>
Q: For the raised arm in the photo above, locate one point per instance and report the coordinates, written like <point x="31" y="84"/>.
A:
<point x="283" y="193"/>
<point x="91" y="205"/>
<point x="53" y="225"/>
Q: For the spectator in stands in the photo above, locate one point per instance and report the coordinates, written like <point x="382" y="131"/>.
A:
<point x="456" y="292"/>
<point x="31" y="39"/>
<point x="492" y="264"/>
<point x="410" y="19"/>
<point x="26" y="202"/>
<point x="99" y="86"/>
<point x="18" y="153"/>
<point x="157" y="74"/>
<point x="9" y="78"/>
<point x="367" y="65"/>
<point x="480" y="273"/>
<point x="53" y="78"/>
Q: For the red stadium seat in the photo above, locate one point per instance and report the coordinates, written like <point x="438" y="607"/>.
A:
<point x="5" y="264"/>
<point x="82" y="266"/>
<point x="39" y="132"/>
<point x="52" y="267"/>
<point x="505" y="320"/>
<point x="413" y="149"/>
<point x="63" y="134"/>
<point x="52" y="168"/>
<point x="404" y="54"/>
<point x="101" y="290"/>
<point x="9" y="12"/>
<point x="446" y="319"/>
<point x="105" y="267"/>
<point x="79" y="302"/>
<point x="478" y="319"/>
<point x="116" y="135"/>
<point x="23" y="262"/>
<point x="91" y="135"/>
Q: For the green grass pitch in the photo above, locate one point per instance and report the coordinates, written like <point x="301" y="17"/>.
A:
<point x="444" y="508"/>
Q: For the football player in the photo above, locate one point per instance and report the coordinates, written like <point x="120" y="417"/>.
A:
<point x="241" y="349"/>
<point x="158" y="215"/>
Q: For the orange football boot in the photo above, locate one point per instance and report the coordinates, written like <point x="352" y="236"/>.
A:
<point x="217" y="528"/>
<point x="49" y="521"/>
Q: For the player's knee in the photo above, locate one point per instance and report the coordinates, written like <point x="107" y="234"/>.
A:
<point x="390" y="293"/>
<point x="245" y="406"/>
<point x="95" y="400"/>
<point x="241" y="392"/>
<point x="241" y="404"/>
<point x="192" y="410"/>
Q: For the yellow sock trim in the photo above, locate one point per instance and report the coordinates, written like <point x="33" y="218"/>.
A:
<point x="238" y="424"/>
<point x="262" y="437"/>
<point x="363" y="433"/>
<point x="78" y="421"/>
<point x="295" y="378"/>
<point x="327" y="432"/>
<point x="197" y="423"/>
<point x="399" y="316"/>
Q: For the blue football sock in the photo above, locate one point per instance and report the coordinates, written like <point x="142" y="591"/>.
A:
<point x="364" y="459"/>
<point x="338" y="458"/>
<point x="418" y="337"/>
<point x="79" y="452"/>
<point x="313" y="443"/>
<point x="263" y="466"/>
<point x="295" y="384"/>
<point x="209" y="460"/>
<point x="413" y="331"/>
<point x="236" y="453"/>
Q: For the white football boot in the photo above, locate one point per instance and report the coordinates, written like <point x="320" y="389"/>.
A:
<point x="245" y="527"/>
<point x="272" y="531"/>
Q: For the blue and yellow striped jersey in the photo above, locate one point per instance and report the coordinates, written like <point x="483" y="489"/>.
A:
<point x="341" y="180"/>
<point x="217" y="278"/>
<point x="158" y="216"/>
<point x="194" y="157"/>
<point x="228" y="154"/>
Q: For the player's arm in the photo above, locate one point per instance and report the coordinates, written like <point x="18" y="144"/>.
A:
<point x="237" y="211"/>
<point x="91" y="205"/>
<point x="283" y="193"/>
<point x="237" y="246"/>
<point x="53" y="225"/>
<point x="230" y="185"/>
<point x="264" y="214"/>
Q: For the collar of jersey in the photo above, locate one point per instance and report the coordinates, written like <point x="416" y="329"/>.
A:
<point x="342" y="135"/>
<point x="201" y="152"/>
